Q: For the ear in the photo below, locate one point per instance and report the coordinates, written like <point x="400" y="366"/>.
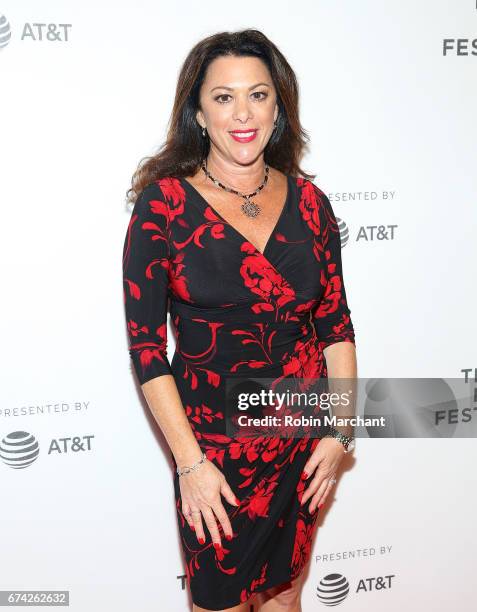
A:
<point x="200" y="118"/>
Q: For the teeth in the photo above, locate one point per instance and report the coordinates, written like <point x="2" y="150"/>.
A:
<point x="244" y="134"/>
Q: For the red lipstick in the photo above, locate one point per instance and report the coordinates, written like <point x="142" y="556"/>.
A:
<point x="243" y="135"/>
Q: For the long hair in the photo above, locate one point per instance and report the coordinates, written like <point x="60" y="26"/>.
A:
<point x="185" y="147"/>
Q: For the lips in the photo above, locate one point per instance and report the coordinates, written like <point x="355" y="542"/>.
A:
<point x="243" y="135"/>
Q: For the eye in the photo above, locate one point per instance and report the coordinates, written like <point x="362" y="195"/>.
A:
<point x="260" y="93"/>
<point x="220" y="100"/>
<point x="217" y="98"/>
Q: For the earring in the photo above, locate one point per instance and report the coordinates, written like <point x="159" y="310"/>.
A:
<point x="275" y="124"/>
<point x="203" y="132"/>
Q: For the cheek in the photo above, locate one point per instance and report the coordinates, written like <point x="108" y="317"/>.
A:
<point x="221" y="118"/>
<point x="266" y="117"/>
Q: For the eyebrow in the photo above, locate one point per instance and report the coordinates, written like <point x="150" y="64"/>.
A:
<point x="231" y="88"/>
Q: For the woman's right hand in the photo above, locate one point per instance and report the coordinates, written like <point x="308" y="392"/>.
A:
<point x="200" y="494"/>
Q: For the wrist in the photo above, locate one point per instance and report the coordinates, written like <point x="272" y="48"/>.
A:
<point x="188" y="456"/>
<point x="338" y="444"/>
<point x="186" y="469"/>
<point x="347" y="442"/>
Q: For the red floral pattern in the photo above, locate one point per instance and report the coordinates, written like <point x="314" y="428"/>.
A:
<point x="237" y="312"/>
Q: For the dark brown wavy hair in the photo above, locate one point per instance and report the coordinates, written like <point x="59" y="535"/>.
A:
<point x="185" y="147"/>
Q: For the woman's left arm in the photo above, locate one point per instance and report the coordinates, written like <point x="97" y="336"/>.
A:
<point x="341" y="360"/>
<point x="337" y="340"/>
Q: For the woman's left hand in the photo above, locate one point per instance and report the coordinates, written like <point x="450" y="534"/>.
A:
<point x="325" y="459"/>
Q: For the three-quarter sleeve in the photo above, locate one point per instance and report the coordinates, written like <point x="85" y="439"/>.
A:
<point x="146" y="281"/>
<point x="331" y="316"/>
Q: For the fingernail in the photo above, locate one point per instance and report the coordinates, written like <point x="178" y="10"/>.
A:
<point x="237" y="501"/>
<point x="321" y="506"/>
<point x="228" y="536"/>
<point x="304" y="475"/>
<point x="192" y="527"/>
<point x="217" y="546"/>
<point x="201" y="540"/>
<point x="312" y="511"/>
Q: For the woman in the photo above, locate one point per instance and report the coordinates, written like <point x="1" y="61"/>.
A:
<point x="228" y="234"/>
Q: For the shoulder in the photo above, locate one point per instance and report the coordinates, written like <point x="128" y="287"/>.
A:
<point x="147" y="193"/>
<point x="315" y="198"/>
<point x="310" y="185"/>
<point x="165" y="196"/>
<point x="151" y="203"/>
<point x="161" y="185"/>
<point x="313" y="192"/>
<point x="168" y="189"/>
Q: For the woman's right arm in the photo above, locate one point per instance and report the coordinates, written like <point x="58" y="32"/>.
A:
<point x="146" y="260"/>
<point x="145" y="282"/>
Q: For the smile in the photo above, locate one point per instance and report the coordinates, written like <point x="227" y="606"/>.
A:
<point x="244" y="136"/>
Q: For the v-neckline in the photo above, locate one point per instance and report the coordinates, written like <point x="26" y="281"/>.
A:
<point x="235" y="230"/>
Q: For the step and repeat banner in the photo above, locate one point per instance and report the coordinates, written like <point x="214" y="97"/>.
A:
<point x="388" y="92"/>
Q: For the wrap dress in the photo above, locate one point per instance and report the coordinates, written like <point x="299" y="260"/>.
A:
<point x="236" y="311"/>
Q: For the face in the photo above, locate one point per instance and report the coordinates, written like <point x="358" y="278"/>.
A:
<point x="238" y="95"/>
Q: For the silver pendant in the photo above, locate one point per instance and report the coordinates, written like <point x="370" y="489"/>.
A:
<point x="250" y="209"/>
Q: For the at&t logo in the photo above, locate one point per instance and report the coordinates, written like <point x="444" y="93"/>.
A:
<point x="334" y="588"/>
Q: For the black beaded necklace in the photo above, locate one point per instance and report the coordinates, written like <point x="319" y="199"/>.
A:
<point x="249" y="208"/>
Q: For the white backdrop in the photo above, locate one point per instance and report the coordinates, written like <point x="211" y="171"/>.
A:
<point x="391" y="115"/>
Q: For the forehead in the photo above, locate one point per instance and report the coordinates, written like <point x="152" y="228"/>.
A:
<point x="236" y="71"/>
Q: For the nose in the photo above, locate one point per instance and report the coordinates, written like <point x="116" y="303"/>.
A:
<point x="242" y="109"/>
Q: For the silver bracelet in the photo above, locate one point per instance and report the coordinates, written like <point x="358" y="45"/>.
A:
<point x="191" y="468"/>
<point x="346" y="441"/>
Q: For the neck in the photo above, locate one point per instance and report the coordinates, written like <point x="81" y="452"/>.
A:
<point x="243" y="178"/>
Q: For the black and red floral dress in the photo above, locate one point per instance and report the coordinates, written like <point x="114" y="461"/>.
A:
<point x="237" y="312"/>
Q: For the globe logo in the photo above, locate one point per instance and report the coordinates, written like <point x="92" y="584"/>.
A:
<point x="332" y="589"/>
<point x="5" y="32"/>
<point x="19" y="449"/>
<point x="344" y="231"/>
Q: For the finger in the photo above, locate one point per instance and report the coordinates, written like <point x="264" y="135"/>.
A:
<point x="198" y="526"/>
<point x="323" y="499"/>
<point x="312" y="463"/>
<point x="211" y="523"/>
<point x="314" y="485"/>
<point x="224" y="521"/>
<point x="188" y="515"/>
<point x="310" y="467"/>
<point x="229" y="494"/>
<point x="325" y="486"/>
